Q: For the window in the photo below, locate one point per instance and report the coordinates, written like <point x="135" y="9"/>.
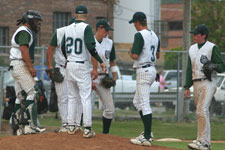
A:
<point x="61" y="19"/>
<point x="175" y="25"/>
<point x="4" y="38"/>
<point x="161" y="29"/>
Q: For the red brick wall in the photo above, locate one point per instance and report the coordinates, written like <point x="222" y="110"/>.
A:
<point x="11" y="10"/>
<point x="173" y="12"/>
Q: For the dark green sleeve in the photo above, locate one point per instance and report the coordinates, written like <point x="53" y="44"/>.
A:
<point x="90" y="43"/>
<point x="53" y="41"/>
<point x="89" y="38"/>
<point x="137" y="44"/>
<point x="188" y="81"/>
<point x="23" y="38"/>
<point x="158" y="48"/>
<point x="113" y="54"/>
<point x="217" y="59"/>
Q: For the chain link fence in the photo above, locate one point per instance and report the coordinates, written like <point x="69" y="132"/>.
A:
<point x="165" y="104"/>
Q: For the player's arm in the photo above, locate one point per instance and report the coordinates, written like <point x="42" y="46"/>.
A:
<point x="188" y="81"/>
<point x="137" y="46"/>
<point x="218" y="60"/>
<point x="90" y="44"/>
<point x="51" y="49"/>
<point x="112" y="62"/>
<point x="23" y="38"/>
<point x="158" y="50"/>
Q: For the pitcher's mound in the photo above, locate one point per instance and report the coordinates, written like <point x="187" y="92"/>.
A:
<point x="64" y="141"/>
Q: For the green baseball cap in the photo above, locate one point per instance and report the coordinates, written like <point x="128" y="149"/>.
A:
<point x="138" y="16"/>
<point x="81" y="9"/>
<point x="104" y="24"/>
<point x="200" y="29"/>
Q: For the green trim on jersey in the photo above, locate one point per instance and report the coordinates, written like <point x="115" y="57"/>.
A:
<point x="216" y="58"/>
<point x="23" y="38"/>
<point x="138" y="44"/>
<point x="53" y="41"/>
<point x="113" y="54"/>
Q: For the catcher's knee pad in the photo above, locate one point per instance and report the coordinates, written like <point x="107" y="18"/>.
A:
<point x="31" y="94"/>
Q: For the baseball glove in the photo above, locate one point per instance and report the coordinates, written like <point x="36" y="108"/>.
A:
<point x="107" y="82"/>
<point x="208" y="67"/>
<point x="55" y="75"/>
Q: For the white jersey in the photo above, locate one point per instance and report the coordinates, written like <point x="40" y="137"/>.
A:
<point x="59" y="57"/>
<point x="75" y="47"/>
<point x="148" y="54"/>
<point x="15" y="52"/>
<point x="195" y="54"/>
<point x="104" y="50"/>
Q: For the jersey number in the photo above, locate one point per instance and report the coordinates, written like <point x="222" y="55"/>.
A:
<point x="77" y="43"/>
<point x="153" y="53"/>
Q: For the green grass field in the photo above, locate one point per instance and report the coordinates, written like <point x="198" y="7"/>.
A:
<point x="161" y="129"/>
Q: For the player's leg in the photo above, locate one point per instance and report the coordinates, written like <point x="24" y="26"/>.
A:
<point x="61" y="91"/>
<point x="85" y="94"/>
<point x="72" y="95"/>
<point x="208" y="89"/>
<point x="108" y="106"/>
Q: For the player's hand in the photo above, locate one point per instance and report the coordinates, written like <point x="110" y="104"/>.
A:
<point x="104" y="67"/>
<point x="93" y="86"/>
<point x="187" y="93"/>
<point x="94" y="74"/>
<point x="32" y="71"/>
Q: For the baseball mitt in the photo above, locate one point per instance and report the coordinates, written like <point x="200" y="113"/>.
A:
<point x="208" y="67"/>
<point x="55" y="75"/>
<point x="107" y="82"/>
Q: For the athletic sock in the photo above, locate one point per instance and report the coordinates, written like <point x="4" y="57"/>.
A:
<point x="106" y="125"/>
<point x="147" y="121"/>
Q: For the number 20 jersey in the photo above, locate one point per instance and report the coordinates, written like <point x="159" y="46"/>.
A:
<point x="75" y="47"/>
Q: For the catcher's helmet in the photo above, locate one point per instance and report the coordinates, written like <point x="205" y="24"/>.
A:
<point x="31" y="17"/>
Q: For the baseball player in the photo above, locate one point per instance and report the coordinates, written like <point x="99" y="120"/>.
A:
<point x="61" y="87"/>
<point x="23" y="72"/>
<point x="79" y="42"/>
<point x="145" y="51"/>
<point x="106" y="51"/>
<point x="204" y="89"/>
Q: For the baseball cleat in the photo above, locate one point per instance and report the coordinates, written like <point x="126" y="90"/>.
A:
<point x="39" y="129"/>
<point x="88" y="133"/>
<point x="28" y="130"/>
<point x="141" y="140"/>
<point x="78" y="128"/>
<point x="62" y="129"/>
<point x="196" y="145"/>
<point x="71" y="129"/>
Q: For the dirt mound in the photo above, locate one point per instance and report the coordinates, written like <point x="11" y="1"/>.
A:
<point x="64" y="141"/>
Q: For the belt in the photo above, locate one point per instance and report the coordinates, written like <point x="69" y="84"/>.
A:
<point x="197" y="80"/>
<point x="80" y="62"/>
<point x="102" y="74"/>
<point x="146" y="66"/>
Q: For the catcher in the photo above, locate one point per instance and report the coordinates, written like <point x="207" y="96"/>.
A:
<point x="102" y="84"/>
<point x="204" y="60"/>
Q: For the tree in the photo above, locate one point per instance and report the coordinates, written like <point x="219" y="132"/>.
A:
<point x="211" y="13"/>
<point x="170" y="59"/>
